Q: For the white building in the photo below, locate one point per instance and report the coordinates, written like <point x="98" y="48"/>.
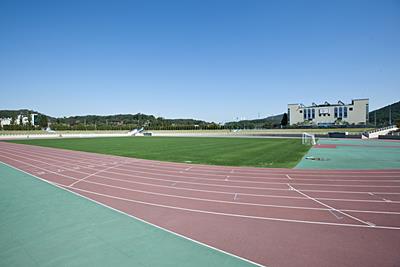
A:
<point x="5" y="121"/>
<point x="20" y="118"/>
<point x="329" y="114"/>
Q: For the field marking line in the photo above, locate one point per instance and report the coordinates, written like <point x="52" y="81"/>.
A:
<point x="62" y="187"/>
<point x="201" y="199"/>
<point x="235" y="197"/>
<point x="332" y="208"/>
<point x="268" y="178"/>
<point x="290" y="178"/>
<point x="93" y="174"/>
<point x="334" y="214"/>
<point x="129" y="181"/>
<point x="188" y="169"/>
<point x="235" y="181"/>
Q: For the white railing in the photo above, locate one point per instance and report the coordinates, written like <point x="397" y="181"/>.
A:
<point x="380" y="131"/>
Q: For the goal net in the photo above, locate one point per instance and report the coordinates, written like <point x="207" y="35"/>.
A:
<point x="308" y="139"/>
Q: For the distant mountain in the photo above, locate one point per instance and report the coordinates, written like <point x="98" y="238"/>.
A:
<point x="127" y="119"/>
<point x="382" y="115"/>
<point x="268" y="122"/>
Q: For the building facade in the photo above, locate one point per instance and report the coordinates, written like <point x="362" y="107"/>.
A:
<point x="330" y="114"/>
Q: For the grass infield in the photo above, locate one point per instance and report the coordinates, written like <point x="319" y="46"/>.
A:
<point x="257" y="152"/>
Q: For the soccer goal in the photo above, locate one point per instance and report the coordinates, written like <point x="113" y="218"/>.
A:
<point x="308" y="139"/>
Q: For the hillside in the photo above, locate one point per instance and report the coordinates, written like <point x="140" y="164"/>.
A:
<point x="382" y="115"/>
<point x="268" y="122"/>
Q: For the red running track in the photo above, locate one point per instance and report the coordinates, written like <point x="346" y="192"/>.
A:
<point x="274" y="217"/>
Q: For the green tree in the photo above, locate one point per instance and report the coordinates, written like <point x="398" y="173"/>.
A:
<point x="29" y="119"/>
<point x="43" y="121"/>
<point x="284" y="120"/>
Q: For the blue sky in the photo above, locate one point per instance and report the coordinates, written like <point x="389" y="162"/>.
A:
<point x="213" y="60"/>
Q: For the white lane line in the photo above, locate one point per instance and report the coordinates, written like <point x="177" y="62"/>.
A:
<point x="62" y="187"/>
<point x="270" y="172"/>
<point x="245" y="171"/>
<point x="332" y="208"/>
<point x="211" y="200"/>
<point x="216" y="185"/>
<point x="208" y="200"/>
<point x="386" y="200"/>
<point x="242" y="181"/>
<point x="235" y="197"/>
<point x="236" y="181"/>
<point x="188" y="169"/>
<point x="173" y="184"/>
<point x="367" y="225"/>
<point x="90" y="175"/>
<point x="227" y="186"/>
<point x="370" y="193"/>
<point x="290" y="178"/>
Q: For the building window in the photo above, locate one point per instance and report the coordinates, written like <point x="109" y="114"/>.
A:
<point x="305" y="114"/>
<point x="340" y="112"/>
<point x="367" y="113"/>
<point x="350" y="109"/>
<point x="313" y="113"/>
<point x="335" y="112"/>
<point x="345" y="112"/>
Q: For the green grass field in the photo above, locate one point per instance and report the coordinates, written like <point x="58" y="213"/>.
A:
<point x="257" y="152"/>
